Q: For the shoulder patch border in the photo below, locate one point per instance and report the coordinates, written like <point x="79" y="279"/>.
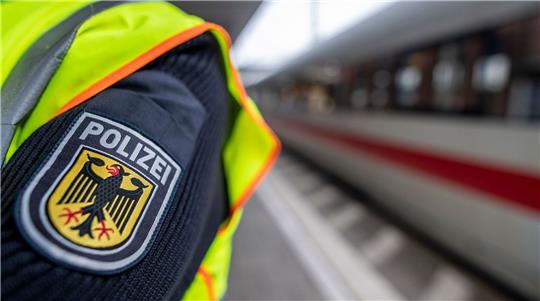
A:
<point x="66" y="253"/>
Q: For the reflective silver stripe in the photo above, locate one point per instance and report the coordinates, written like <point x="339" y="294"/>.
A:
<point x="29" y="77"/>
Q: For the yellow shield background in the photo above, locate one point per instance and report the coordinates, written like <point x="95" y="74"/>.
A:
<point x="57" y="212"/>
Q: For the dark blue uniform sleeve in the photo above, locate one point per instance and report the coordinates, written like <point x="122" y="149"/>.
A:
<point x="180" y="105"/>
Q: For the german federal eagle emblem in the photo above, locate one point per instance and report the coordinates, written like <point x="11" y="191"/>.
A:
<point x="97" y="202"/>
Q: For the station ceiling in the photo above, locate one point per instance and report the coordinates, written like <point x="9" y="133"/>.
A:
<point x="402" y="25"/>
<point x="232" y="15"/>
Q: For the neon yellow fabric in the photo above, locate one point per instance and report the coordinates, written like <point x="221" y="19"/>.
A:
<point x="24" y="23"/>
<point x="250" y="144"/>
<point x="238" y="153"/>
<point x="247" y="150"/>
<point x="216" y="262"/>
<point x="130" y="30"/>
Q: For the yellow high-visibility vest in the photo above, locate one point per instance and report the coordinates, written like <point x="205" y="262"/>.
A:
<point x="135" y="34"/>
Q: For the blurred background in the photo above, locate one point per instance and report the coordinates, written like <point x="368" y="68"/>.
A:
<point x="410" y="168"/>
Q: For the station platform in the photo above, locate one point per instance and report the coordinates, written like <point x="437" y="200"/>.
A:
<point x="304" y="238"/>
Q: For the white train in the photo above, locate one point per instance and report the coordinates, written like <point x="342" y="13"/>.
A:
<point x="443" y="132"/>
<point x="471" y="185"/>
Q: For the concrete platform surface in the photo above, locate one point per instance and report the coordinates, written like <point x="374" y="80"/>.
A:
<point x="303" y="238"/>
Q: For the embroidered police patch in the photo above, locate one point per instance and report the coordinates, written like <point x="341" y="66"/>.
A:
<point x="97" y="201"/>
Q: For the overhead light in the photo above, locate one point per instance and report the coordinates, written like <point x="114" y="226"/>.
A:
<point x="277" y="32"/>
<point x="282" y="30"/>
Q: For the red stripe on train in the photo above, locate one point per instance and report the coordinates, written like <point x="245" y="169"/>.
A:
<point x="514" y="186"/>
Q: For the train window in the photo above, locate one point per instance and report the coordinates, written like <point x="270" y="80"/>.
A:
<point x="381" y="83"/>
<point x="359" y="98"/>
<point x="360" y="93"/>
<point x="408" y="81"/>
<point x="524" y="93"/>
<point x="448" y="77"/>
<point x="524" y="98"/>
<point x="491" y="73"/>
<point x="381" y="79"/>
<point x="319" y="98"/>
<point x="535" y="102"/>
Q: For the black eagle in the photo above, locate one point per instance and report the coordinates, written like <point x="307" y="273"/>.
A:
<point x="105" y="193"/>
